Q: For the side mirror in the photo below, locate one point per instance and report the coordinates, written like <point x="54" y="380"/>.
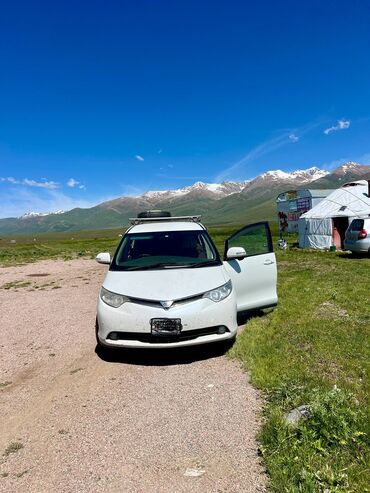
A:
<point x="236" y="253"/>
<point x="103" y="258"/>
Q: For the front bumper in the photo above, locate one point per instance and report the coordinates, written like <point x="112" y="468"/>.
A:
<point x="200" y="320"/>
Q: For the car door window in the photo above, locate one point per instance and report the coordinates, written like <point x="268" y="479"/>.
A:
<point x="357" y="225"/>
<point x="255" y="239"/>
<point x="254" y="277"/>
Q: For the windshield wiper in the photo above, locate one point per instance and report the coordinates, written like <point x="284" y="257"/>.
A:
<point x="161" y="265"/>
<point x="145" y="267"/>
<point x="204" y="264"/>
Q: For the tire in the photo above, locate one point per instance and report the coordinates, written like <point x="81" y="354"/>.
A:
<point x="153" y="213"/>
<point x="228" y="344"/>
<point x="99" y="345"/>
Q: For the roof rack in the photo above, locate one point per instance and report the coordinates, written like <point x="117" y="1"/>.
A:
<point x="142" y="220"/>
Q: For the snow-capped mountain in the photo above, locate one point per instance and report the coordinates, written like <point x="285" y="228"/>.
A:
<point x="220" y="189"/>
<point x="229" y="187"/>
<point x="298" y="176"/>
<point x="351" y="168"/>
<point x="29" y="215"/>
<point x="232" y="202"/>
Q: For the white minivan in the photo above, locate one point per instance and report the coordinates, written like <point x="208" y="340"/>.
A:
<point x="168" y="287"/>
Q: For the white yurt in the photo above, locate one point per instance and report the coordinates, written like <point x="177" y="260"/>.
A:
<point x="325" y="224"/>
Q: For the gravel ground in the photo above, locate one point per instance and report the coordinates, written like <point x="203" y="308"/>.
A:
<point x="136" y="421"/>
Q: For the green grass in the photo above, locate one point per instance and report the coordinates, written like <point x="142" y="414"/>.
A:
<point x="68" y="246"/>
<point x="82" y="244"/>
<point x="313" y="349"/>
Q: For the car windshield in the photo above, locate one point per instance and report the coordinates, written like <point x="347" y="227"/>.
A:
<point x="165" y="250"/>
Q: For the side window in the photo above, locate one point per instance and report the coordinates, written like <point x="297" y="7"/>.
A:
<point x="357" y="224"/>
<point x="255" y="239"/>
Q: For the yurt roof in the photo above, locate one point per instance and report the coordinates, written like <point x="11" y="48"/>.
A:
<point x="352" y="199"/>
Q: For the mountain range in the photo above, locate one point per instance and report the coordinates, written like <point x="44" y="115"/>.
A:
<point x="225" y="203"/>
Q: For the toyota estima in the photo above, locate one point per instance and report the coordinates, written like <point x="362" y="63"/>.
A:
<point x="167" y="285"/>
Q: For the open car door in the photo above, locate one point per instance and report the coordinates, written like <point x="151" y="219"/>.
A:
<point x="254" y="277"/>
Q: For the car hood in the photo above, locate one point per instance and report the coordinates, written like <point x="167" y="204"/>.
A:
<point x="165" y="284"/>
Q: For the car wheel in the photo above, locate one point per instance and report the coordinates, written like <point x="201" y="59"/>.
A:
<point x="99" y="345"/>
<point x="228" y="344"/>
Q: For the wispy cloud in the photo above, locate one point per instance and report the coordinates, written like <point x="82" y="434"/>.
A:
<point x="72" y="183"/>
<point x="258" y="151"/>
<point x="163" y="168"/>
<point x="139" y="158"/>
<point x="165" y="176"/>
<point x="15" y="204"/>
<point x="267" y="147"/>
<point x="17" y="201"/>
<point x="341" y="125"/>
<point x="49" y="185"/>
<point x="361" y="159"/>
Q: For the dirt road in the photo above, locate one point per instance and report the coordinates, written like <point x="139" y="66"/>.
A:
<point x="71" y="421"/>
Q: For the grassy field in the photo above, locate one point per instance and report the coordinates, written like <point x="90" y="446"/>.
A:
<point x="23" y="249"/>
<point x="312" y="350"/>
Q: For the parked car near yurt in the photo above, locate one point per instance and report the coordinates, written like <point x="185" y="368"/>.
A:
<point x="358" y="236"/>
<point x="325" y="225"/>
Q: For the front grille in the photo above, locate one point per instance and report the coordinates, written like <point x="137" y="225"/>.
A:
<point x="157" y="304"/>
<point x="183" y="336"/>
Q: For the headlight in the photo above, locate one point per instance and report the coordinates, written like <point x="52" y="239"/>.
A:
<point x="112" y="299"/>
<point x="220" y="293"/>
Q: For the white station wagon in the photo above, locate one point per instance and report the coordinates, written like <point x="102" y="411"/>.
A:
<point x="168" y="287"/>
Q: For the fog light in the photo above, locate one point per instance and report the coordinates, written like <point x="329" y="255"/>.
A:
<point x="221" y="330"/>
<point x="113" y="336"/>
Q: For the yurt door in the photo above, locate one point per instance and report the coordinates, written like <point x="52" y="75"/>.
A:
<point x="340" y="224"/>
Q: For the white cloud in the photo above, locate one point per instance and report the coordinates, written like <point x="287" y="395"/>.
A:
<point x="49" y="185"/>
<point x="293" y="138"/>
<point x="260" y="150"/>
<point x="139" y="158"/>
<point x="72" y="182"/>
<point x="341" y="125"/>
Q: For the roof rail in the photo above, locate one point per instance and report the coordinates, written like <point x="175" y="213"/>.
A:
<point x="142" y="220"/>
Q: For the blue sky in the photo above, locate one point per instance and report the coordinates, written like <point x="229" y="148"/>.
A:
<point x="102" y="99"/>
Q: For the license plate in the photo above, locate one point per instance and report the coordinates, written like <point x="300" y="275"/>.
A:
<point x="166" y="326"/>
